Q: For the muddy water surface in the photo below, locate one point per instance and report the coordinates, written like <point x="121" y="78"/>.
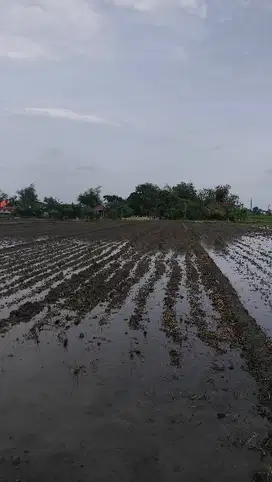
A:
<point x="248" y="266"/>
<point x="123" y="368"/>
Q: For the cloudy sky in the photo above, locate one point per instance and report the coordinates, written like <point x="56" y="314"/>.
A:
<point x="118" y="92"/>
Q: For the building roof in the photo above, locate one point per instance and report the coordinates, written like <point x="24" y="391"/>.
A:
<point x="7" y="209"/>
<point x="99" y="208"/>
<point x="5" y="212"/>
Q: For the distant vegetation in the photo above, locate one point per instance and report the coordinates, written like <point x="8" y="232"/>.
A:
<point x="182" y="201"/>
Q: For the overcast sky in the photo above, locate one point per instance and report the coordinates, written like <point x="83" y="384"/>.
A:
<point x="118" y="92"/>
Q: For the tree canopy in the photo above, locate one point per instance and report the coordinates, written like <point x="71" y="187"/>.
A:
<point x="91" y="197"/>
<point x="27" y="196"/>
<point x="3" y="196"/>
<point x="181" y="201"/>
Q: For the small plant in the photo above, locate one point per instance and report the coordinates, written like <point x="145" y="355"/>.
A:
<point x="76" y="371"/>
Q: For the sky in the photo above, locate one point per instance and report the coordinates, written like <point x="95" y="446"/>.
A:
<point x="119" y="92"/>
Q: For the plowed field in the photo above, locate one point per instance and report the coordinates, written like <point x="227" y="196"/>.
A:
<point x="135" y="351"/>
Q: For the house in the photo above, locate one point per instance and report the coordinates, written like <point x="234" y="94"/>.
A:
<point x="6" y="212"/>
<point x="99" y="210"/>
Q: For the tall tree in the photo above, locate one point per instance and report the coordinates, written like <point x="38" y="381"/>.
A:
<point x="116" y="206"/>
<point x="91" y="197"/>
<point x="112" y="199"/>
<point x="27" y="197"/>
<point x="256" y="210"/>
<point x="167" y="203"/>
<point x="207" y="196"/>
<point x="185" y="190"/>
<point x="3" y="196"/>
<point x="220" y="194"/>
<point x="145" y="199"/>
<point x="51" y="203"/>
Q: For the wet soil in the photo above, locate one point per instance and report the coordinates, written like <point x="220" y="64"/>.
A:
<point x="135" y="350"/>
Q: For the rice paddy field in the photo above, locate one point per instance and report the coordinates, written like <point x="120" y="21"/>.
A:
<point x="135" y="351"/>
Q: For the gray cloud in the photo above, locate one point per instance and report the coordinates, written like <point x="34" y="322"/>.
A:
<point x="65" y="114"/>
<point x="187" y="82"/>
<point x="86" y="168"/>
<point x="49" y="29"/>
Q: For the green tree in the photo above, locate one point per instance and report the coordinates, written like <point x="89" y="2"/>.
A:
<point x="59" y="210"/>
<point x="207" y="196"/>
<point x="218" y="202"/>
<point x="51" y="203"/>
<point x="256" y="210"/>
<point x="145" y="199"/>
<point x="185" y="190"/>
<point x="115" y="206"/>
<point x="27" y="197"/>
<point x="222" y="193"/>
<point x="3" y="196"/>
<point x="113" y="199"/>
<point x="127" y="211"/>
<point x="238" y="214"/>
<point x="91" y="197"/>
<point x="167" y="203"/>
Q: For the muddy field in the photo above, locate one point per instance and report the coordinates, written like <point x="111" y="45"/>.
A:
<point x="135" y="351"/>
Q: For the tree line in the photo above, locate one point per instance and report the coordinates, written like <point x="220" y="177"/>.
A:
<point x="181" y="201"/>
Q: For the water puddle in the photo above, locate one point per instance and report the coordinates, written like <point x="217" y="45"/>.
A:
<point x="249" y="281"/>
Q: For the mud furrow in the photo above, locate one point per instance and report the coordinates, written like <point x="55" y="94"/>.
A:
<point x="15" y="247"/>
<point x="170" y="325"/>
<point x="36" y="258"/>
<point x="98" y="289"/>
<point x="38" y="271"/>
<point x="145" y="291"/>
<point x="61" y="290"/>
<point x="59" y="278"/>
<point x="252" y="259"/>
<point x="20" y="258"/>
<point x="54" y="272"/>
<point x="56" y="250"/>
<point x="126" y="280"/>
<point x="260" y="247"/>
<point x="196" y="314"/>
<point x="258" y="283"/>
